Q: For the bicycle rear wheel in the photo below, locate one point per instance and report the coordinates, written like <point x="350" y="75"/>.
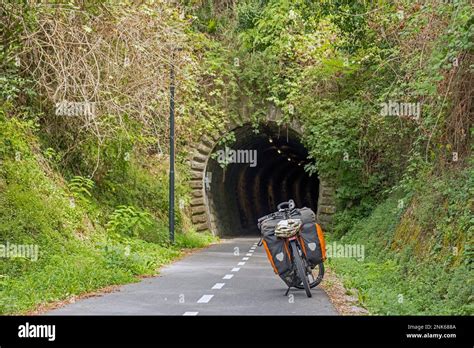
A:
<point x="302" y="274"/>
<point x="315" y="277"/>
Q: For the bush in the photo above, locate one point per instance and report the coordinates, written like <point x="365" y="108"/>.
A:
<point x="418" y="259"/>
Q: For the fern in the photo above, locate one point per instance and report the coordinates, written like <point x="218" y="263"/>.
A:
<point x="81" y="187"/>
<point x="129" y="221"/>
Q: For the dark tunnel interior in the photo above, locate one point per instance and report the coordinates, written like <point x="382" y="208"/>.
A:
<point x="240" y="193"/>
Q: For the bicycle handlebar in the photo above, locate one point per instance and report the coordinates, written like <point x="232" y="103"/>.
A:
<point x="290" y="205"/>
<point x="283" y="213"/>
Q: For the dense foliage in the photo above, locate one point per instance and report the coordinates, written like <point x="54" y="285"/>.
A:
<point x="89" y="189"/>
<point x="336" y="66"/>
<point x="84" y="133"/>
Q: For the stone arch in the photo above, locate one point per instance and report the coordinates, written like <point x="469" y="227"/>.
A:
<point x="204" y="211"/>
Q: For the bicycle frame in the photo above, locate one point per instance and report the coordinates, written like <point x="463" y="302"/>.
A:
<point x="300" y="273"/>
<point x="296" y="240"/>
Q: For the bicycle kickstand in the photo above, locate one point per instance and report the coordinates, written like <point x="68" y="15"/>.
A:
<point x="287" y="291"/>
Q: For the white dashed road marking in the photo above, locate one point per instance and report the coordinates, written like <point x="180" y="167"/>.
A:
<point x="205" y="298"/>
<point x="218" y="286"/>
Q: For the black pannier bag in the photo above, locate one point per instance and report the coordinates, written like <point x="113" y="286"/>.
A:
<point x="313" y="248"/>
<point x="277" y="249"/>
<point x="311" y="237"/>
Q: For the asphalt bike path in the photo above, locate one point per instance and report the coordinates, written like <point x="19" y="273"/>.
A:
<point x="233" y="277"/>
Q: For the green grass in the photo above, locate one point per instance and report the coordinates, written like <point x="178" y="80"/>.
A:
<point x="78" y="251"/>
<point x="418" y="259"/>
<point x="85" y="267"/>
<point x="389" y="288"/>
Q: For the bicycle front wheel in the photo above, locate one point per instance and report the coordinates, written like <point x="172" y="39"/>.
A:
<point x="302" y="275"/>
<point x="315" y="277"/>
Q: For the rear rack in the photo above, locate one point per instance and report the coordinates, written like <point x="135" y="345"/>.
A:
<point x="277" y="214"/>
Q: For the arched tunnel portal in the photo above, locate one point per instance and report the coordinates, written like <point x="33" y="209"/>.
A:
<point x="236" y="184"/>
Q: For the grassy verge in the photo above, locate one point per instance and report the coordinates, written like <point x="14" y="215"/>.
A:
<point x="62" y="237"/>
<point x="418" y="255"/>
<point x="85" y="267"/>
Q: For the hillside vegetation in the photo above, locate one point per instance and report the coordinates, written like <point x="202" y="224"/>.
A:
<point x="384" y="91"/>
<point x="89" y="190"/>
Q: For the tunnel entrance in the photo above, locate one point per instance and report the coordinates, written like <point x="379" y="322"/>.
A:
<point x="264" y="168"/>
